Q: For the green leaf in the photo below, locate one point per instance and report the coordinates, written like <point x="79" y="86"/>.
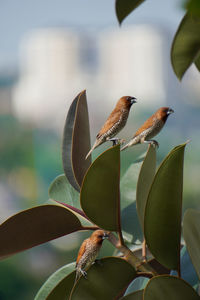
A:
<point x="197" y="63"/>
<point x="104" y="280"/>
<point x="61" y="190"/>
<point x="186" y="45"/>
<point x="191" y="233"/>
<point x="128" y="184"/>
<point x="35" y="226"/>
<point x="125" y="7"/>
<point x="138" y="295"/>
<point x="138" y="283"/>
<point x="100" y="198"/>
<point x="129" y="216"/>
<point x="76" y="141"/>
<point x="166" y="287"/>
<point x="193" y="6"/>
<point x="188" y="272"/>
<point x="162" y="222"/>
<point x="130" y="223"/>
<point x="78" y="213"/>
<point x="58" y="285"/>
<point x="145" y="179"/>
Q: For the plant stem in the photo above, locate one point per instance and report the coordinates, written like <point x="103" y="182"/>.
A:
<point x="121" y="239"/>
<point x="144" y="254"/>
<point x="130" y="257"/>
<point x="90" y="228"/>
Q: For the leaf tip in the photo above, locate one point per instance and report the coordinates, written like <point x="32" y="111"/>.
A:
<point x="187" y="142"/>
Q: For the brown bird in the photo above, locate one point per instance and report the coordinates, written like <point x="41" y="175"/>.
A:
<point x="115" y="122"/>
<point x="88" y="252"/>
<point x="150" y="128"/>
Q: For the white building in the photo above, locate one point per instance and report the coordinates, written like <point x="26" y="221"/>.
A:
<point x="50" y="74"/>
<point x="130" y="62"/>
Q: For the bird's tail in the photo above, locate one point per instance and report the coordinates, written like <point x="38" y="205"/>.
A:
<point x="78" y="275"/>
<point x="96" y="144"/>
<point x="131" y="143"/>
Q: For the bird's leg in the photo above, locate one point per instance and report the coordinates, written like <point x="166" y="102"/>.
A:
<point x="83" y="273"/>
<point x="154" y="143"/>
<point x="116" y="141"/>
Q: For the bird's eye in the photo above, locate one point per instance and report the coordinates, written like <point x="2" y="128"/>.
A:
<point x="100" y="236"/>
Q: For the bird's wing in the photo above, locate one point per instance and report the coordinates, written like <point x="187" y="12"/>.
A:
<point x="81" y="251"/>
<point x="110" y="123"/>
<point x="147" y="125"/>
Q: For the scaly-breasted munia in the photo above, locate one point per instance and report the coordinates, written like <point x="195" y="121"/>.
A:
<point x="89" y="251"/>
<point x="150" y="128"/>
<point x="115" y="122"/>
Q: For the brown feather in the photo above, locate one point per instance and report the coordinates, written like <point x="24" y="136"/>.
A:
<point x="160" y="114"/>
<point x="111" y="121"/>
<point x="122" y="107"/>
<point x="150" y="128"/>
<point x="147" y="124"/>
<point x="115" y="122"/>
<point x="88" y="252"/>
<point x="81" y="250"/>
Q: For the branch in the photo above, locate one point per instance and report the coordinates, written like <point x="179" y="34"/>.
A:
<point x="130" y="257"/>
<point x="90" y="228"/>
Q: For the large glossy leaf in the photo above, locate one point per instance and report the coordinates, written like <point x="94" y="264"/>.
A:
<point x="125" y="7"/>
<point x="166" y="287"/>
<point x="78" y="213"/>
<point x="128" y="184"/>
<point x="35" y="226"/>
<point x="129" y="216"/>
<point x="63" y="193"/>
<point x="186" y="44"/>
<point x="162" y="223"/>
<point x="105" y="280"/>
<point x="131" y="224"/>
<point x="63" y="290"/>
<point x="100" y="199"/>
<point x="191" y="233"/>
<point x="76" y="141"/>
<point x="138" y="295"/>
<point x="58" y="285"/>
<point x="61" y="190"/>
<point x="197" y="62"/>
<point x="145" y="179"/>
<point x="138" y="283"/>
<point x="188" y="272"/>
<point x="193" y="6"/>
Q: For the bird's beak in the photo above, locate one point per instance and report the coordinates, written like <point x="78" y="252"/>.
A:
<point x="105" y="236"/>
<point x="133" y="100"/>
<point x="170" y="111"/>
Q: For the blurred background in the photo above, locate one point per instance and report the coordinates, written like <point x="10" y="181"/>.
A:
<point x="49" y="52"/>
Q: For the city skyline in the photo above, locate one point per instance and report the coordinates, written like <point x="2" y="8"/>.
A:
<point x="20" y="17"/>
<point x="56" y="63"/>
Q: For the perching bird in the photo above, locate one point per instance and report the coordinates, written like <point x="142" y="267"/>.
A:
<point x="150" y="128"/>
<point x="88" y="252"/>
<point x="115" y="122"/>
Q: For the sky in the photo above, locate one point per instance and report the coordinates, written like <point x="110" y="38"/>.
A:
<point x="18" y="17"/>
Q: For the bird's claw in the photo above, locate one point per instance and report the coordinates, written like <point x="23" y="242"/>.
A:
<point x="154" y="143"/>
<point x="117" y="141"/>
<point x="84" y="273"/>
